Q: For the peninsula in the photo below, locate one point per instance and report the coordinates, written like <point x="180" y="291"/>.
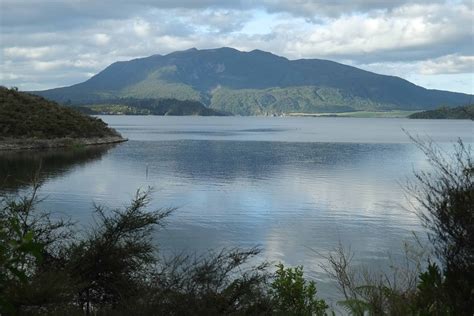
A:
<point x="31" y="122"/>
<point x="458" y="113"/>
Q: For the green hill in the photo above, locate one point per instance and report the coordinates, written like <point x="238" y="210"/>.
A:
<point x="457" y="113"/>
<point x="131" y="106"/>
<point x="255" y="82"/>
<point x="24" y="116"/>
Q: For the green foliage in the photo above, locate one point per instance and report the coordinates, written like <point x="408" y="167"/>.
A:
<point x="430" y="298"/>
<point x="457" y="113"/>
<point x="17" y="249"/>
<point x="24" y="115"/>
<point x="113" y="259"/>
<point x="217" y="283"/>
<point x="131" y="106"/>
<point x="305" y="99"/>
<point x="445" y="207"/>
<point x="444" y="202"/>
<point x="30" y="241"/>
<point x="378" y="298"/>
<point x="155" y="87"/>
<point x="293" y="295"/>
<point x="113" y="268"/>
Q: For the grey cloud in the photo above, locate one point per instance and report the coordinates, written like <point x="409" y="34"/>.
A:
<point x="66" y="42"/>
<point x="313" y="10"/>
<point x="221" y="21"/>
<point x="48" y="14"/>
<point x="450" y="64"/>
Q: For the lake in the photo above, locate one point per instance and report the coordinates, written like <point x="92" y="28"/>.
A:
<point x="294" y="186"/>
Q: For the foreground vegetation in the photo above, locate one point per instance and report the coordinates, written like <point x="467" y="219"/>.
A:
<point x="436" y="278"/>
<point x="24" y="116"/>
<point x="113" y="269"/>
<point x="458" y="113"/>
<point x="48" y="267"/>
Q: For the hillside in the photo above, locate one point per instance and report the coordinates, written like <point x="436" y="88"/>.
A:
<point x="457" y="113"/>
<point x="25" y="117"/>
<point x="131" y="106"/>
<point x="255" y="82"/>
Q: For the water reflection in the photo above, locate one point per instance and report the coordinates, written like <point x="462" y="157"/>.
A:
<point x="290" y="185"/>
<point x="206" y="161"/>
<point x="19" y="168"/>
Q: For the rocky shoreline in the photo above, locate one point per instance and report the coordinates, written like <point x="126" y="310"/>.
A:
<point x="33" y="143"/>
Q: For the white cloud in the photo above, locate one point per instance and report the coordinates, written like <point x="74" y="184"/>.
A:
<point x="221" y="21"/>
<point x="450" y="64"/>
<point x="141" y="27"/>
<point x="101" y="39"/>
<point x="26" y="52"/>
<point x="53" y="43"/>
<point x="336" y="8"/>
<point x="408" y="28"/>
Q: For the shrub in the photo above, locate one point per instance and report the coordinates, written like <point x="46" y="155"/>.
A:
<point x="293" y="295"/>
<point x="445" y="205"/>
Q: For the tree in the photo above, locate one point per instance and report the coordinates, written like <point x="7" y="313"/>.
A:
<point x="443" y="199"/>
<point x="445" y="205"/>
<point x="29" y="244"/>
<point x="293" y="295"/>
<point x="214" y="283"/>
<point x="113" y="261"/>
<point x="16" y="250"/>
<point x="113" y="268"/>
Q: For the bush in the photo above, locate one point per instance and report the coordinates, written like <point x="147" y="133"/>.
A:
<point x="113" y="268"/>
<point x="293" y="295"/>
<point x="445" y="205"/>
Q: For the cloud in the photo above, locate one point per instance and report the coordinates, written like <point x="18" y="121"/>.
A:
<point x="141" y="28"/>
<point x="450" y="64"/>
<point x="51" y="42"/>
<point x="336" y="8"/>
<point x="409" y="32"/>
<point x="101" y="39"/>
<point x="26" y="52"/>
<point x="221" y="21"/>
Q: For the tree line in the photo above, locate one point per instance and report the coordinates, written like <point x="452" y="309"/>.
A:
<point x="23" y="115"/>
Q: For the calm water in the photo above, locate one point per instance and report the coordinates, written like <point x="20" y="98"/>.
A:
<point x="293" y="186"/>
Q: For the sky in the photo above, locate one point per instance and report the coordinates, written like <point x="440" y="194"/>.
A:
<point x="51" y="43"/>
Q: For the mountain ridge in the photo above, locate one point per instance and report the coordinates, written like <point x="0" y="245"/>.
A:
<point x="252" y="83"/>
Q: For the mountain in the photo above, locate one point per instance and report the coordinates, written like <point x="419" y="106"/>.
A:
<point x="255" y="82"/>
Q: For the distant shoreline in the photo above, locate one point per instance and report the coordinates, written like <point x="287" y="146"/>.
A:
<point x="65" y="142"/>
<point x="359" y="114"/>
<point x="445" y="113"/>
<point x="354" y="114"/>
